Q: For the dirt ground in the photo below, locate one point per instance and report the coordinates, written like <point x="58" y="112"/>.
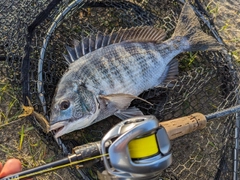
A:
<point x="226" y="18"/>
<point x="21" y="141"/>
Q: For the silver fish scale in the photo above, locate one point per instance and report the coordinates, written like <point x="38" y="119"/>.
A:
<point x="125" y="67"/>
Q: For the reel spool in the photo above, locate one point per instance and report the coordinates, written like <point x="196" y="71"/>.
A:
<point x="141" y="150"/>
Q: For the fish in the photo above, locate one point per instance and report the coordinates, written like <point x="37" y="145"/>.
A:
<point x="107" y="71"/>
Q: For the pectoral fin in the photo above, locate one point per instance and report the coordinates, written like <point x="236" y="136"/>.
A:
<point x="120" y="101"/>
<point x="128" y="113"/>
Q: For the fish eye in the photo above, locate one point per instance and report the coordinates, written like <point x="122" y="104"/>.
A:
<point x="64" y="105"/>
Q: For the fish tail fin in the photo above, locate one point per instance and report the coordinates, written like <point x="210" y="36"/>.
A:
<point x="188" y="27"/>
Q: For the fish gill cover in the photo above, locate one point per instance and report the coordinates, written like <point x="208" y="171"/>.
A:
<point x="33" y="37"/>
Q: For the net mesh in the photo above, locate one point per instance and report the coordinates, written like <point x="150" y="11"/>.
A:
<point x="33" y="37"/>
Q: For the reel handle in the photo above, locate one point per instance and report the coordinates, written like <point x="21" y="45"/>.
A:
<point x="184" y="125"/>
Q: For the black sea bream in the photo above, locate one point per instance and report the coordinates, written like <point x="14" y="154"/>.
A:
<point x="107" y="72"/>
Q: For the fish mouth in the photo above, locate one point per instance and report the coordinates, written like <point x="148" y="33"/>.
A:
<point x="58" y="128"/>
<point x="66" y="126"/>
<point x="69" y="125"/>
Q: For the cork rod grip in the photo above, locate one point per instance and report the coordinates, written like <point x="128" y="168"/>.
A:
<point x="184" y="125"/>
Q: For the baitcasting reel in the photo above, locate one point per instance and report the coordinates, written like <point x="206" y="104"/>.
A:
<point x="141" y="150"/>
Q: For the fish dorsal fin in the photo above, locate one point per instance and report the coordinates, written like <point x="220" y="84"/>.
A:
<point x="92" y="43"/>
<point x="144" y="34"/>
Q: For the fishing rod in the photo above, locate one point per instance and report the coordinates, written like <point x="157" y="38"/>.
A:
<point x="123" y="149"/>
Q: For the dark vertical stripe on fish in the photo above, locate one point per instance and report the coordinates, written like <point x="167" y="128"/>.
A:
<point x="115" y="63"/>
<point x="128" y="63"/>
<point x="139" y="54"/>
<point x="89" y="72"/>
<point x="103" y="66"/>
<point x="121" y="62"/>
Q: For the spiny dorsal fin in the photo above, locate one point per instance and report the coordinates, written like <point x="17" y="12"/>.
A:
<point x="134" y="34"/>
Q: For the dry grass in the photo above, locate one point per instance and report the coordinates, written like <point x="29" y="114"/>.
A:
<point x="19" y="138"/>
<point x="9" y="103"/>
<point x="227" y="21"/>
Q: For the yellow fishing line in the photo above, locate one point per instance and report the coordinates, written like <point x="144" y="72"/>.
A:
<point x="143" y="147"/>
<point x="58" y="167"/>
